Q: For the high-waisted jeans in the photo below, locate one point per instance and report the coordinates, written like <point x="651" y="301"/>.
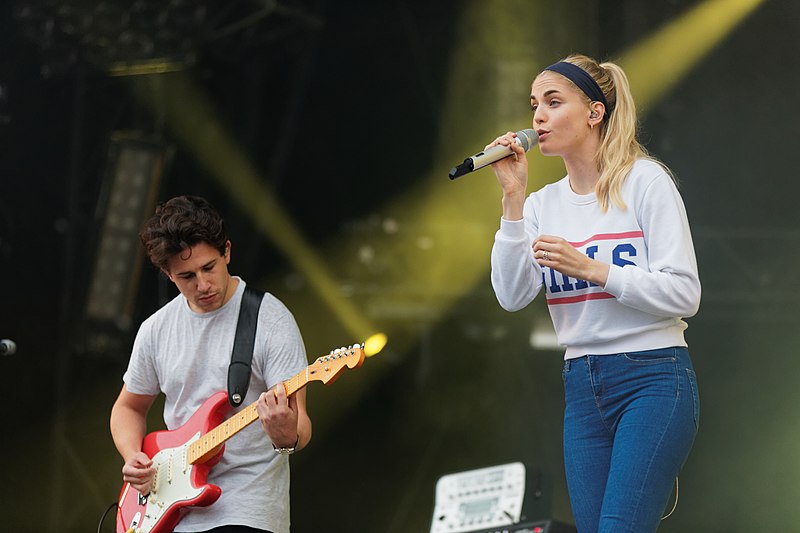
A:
<point x="629" y="423"/>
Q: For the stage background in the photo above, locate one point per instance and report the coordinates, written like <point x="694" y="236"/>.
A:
<point x="342" y="119"/>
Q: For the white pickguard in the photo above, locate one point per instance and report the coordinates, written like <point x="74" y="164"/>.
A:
<point x="171" y="484"/>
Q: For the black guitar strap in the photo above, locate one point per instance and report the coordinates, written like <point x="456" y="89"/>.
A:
<point x="243" y="345"/>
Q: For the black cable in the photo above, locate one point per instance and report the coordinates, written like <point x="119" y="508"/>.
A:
<point x="105" y="513"/>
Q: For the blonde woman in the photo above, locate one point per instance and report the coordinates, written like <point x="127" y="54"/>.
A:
<point x="610" y="246"/>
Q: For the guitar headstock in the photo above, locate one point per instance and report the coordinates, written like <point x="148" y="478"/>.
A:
<point x="328" y="367"/>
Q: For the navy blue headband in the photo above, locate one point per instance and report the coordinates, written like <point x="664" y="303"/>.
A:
<point x="583" y="80"/>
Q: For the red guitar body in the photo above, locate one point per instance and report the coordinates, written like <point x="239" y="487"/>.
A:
<point x="177" y="484"/>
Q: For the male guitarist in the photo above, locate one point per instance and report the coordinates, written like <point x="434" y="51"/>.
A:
<point x="184" y="350"/>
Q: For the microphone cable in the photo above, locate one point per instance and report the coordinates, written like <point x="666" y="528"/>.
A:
<point x="675" y="506"/>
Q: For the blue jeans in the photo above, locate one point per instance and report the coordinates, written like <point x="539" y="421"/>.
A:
<point x="629" y="423"/>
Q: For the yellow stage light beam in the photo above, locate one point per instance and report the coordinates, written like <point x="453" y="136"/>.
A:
<point x="658" y="63"/>
<point x="374" y="344"/>
<point x="195" y="124"/>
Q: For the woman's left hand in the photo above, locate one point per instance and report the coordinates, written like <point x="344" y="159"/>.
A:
<point x="560" y="255"/>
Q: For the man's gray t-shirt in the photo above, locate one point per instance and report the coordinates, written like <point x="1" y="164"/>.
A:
<point x="185" y="355"/>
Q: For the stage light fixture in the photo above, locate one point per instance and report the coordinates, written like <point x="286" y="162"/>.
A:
<point x="131" y="183"/>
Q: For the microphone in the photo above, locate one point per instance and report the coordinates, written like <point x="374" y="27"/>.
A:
<point x="525" y="138"/>
<point x="7" y="347"/>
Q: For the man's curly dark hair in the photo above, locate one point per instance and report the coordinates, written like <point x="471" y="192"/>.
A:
<point x="180" y="223"/>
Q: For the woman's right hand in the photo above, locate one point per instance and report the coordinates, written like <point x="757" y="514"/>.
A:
<point x="512" y="174"/>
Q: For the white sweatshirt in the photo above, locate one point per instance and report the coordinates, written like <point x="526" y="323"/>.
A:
<point x="652" y="281"/>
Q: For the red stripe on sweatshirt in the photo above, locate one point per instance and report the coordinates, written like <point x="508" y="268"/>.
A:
<point x="609" y="236"/>
<point x="580" y="298"/>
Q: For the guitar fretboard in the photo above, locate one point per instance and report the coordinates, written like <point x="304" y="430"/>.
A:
<point x="205" y="447"/>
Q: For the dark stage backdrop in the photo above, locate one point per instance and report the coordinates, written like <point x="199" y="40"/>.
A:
<point x="341" y="108"/>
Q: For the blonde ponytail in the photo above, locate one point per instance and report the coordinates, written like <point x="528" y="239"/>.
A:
<point x="619" y="148"/>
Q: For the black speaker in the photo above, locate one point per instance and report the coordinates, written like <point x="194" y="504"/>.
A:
<point x="540" y="526"/>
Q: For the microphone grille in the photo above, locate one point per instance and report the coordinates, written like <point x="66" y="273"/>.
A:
<point x="528" y="138"/>
<point x="7" y="347"/>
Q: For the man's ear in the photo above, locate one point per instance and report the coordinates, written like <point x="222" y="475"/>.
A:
<point x="227" y="254"/>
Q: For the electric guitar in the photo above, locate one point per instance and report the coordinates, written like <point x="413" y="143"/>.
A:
<point x="184" y="456"/>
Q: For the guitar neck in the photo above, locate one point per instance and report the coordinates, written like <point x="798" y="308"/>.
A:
<point x="206" y="446"/>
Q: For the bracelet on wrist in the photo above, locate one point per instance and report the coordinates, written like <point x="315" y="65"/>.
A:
<point x="287" y="450"/>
